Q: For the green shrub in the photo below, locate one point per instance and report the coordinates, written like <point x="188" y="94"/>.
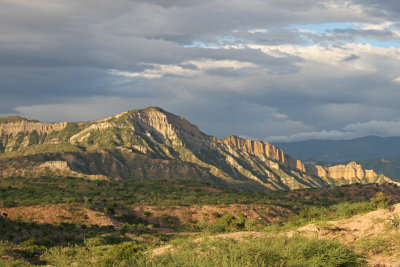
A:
<point x="125" y="254"/>
<point x="346" y="209"/>
<point x="395" y="221"/>
<point x="381" y="200"/>
<point x="270" y="251"/>
<point x="215" y="215"/>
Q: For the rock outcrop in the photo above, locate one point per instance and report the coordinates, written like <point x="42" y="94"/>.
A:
<point x="349" y="173"/>
<point x="263" y="150"/>
<point x="48" y="168"/>
<point x="25" y="126"/>
<point x="151" y="144"/>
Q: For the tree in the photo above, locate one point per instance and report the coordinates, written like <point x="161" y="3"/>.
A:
<point x="381" y="200"/>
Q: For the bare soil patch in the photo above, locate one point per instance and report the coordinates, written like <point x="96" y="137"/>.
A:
<point x="353" y="231"/>
<point x="57" y="213"/>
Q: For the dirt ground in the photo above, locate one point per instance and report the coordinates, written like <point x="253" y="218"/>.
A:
<point x="375" y="225"/>
<point x="70" y="213"/>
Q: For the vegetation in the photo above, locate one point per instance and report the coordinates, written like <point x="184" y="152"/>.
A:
<point x="102" y="194"/>
<point x="66" y="244"/>
<point x="269" y="251"/>
<point x="11" y="119"/>
<point x="262" y="251"/>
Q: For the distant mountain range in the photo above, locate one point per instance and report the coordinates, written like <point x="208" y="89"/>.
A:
<point x="388" y="166"/>
<point x="344" y="150"/>
<point x="381" y="154"/>
<point x="154" y="144"/>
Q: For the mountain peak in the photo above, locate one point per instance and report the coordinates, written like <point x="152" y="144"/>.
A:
<point x="154" y="143"/>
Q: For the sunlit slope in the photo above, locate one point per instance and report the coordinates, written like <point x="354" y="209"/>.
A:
<point x="146" y="144"/>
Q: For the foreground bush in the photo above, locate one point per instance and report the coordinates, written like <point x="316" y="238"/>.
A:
<point x="263" y="251"/>
<point x="271" y="251"/>
<point x="125" y="254"/>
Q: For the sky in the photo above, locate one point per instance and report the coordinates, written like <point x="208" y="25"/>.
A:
<point x="274" y="70"/>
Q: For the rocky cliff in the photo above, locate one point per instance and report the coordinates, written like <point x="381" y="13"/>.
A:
<point x="263" y="150"/>
<point x="25" y="126"/>
<point x="349" y="173"/>
<point x="151" y="144"/>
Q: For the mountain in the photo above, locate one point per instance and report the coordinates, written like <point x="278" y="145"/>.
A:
<point x="387" y="166"/>
<point x="348" y="173"/>
<point x="150" y="144"/>
<point x="344" y="150"/>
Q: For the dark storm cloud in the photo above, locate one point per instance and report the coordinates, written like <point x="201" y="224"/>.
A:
<point x="243" y="65"/>
<point x="384" y="9"/>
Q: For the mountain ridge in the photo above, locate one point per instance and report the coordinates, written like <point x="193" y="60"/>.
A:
<point x="362" y="148"/>
<point x="147" y="144"/>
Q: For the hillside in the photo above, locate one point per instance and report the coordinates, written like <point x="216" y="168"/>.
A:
<point x="152" y="144"/>
<point x="387" y="166"/>
<point x="344" y="150"/>
<point x="78" y="222"/>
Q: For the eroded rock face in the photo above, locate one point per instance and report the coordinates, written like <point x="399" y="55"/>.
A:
<point x="263" y="150"/>
<point x="49" y="168"/>
<point x="151" y="142"/>
<point x="350" y="172"/>
<point x="24" y="126"/>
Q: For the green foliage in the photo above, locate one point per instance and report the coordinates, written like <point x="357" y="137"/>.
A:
<point x="228" y="223"/>
<point x="346" y="209"/>
<point x="125" y="254"/>
<point x="270" y="251"/>
<point x="215" y="215"/>
<point x="381" y="200"/>
<point x="12" y="119"/>
<point x="98" y="195"/>
<point x="33" y="138"/>
<point x="47" y="235"/>
<point x="395" y="221"/>
<point x="374" y="246"/>
<point x="262" y="251"/>
<point x="313" y="214"/>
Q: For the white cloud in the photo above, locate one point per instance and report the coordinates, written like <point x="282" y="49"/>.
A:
<point x="353" y="130"/>
<point x="216" y="64"/>
<point x="374" y="127"/>
<point x="280" y="116"/>
<point x="376" y="26"/>
<point x="205" y="57"/>
<point x="159" y="70"/>
<point x="332" y="55"/>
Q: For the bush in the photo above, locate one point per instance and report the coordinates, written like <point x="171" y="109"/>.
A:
<point x="346" y="209"/>
<point x="381" y="200"/>
<point x="270" y="251"/>
<point x="125" y="254"/>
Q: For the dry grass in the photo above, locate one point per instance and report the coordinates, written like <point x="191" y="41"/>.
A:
<point x="371" y="233"/>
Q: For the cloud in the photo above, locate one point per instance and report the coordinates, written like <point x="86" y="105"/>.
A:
<point x="351" y="58"/>
<point x="189" y="69"/>
<point x="354" y="130"/>
<point x="304" y="69"/>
